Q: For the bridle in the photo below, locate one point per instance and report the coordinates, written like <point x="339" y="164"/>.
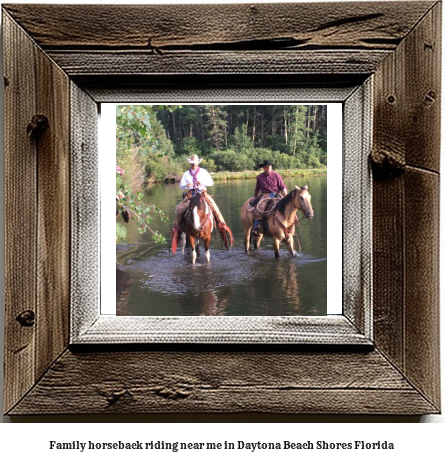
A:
<point x="202" y="225"/>
<point x="291" y="230"/>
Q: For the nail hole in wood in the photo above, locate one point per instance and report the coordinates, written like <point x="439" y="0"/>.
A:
<point x="391" y="99"/>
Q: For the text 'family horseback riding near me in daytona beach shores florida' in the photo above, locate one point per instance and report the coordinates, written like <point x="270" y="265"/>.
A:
<point x="225" y="445"/>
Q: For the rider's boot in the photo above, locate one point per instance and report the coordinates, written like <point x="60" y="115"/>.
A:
<point x="256" y="228"/>
<point x="175" y="235"/>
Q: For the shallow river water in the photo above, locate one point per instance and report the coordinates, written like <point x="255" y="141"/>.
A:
<point x="152" y="281"/>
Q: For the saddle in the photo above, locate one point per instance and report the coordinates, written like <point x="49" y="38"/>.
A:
<point x="263" y="207"/>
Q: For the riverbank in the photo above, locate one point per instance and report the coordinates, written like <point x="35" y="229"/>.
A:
<point x="229" y="175"/>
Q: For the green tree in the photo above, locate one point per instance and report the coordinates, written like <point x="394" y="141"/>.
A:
<point x="137" y="126"/>
<point x="217" y="125"/>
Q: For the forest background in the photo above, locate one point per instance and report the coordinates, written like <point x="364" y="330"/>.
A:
<point x="234" y="138"/>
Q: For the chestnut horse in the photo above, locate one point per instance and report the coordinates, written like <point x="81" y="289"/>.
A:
<point x="281" y="223"/>
<point x="198" y="225"/>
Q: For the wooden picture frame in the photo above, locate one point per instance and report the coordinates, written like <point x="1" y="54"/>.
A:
<point x="56" y="72"/>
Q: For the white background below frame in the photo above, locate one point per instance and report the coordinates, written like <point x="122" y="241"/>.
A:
<point x="107" y="177"/>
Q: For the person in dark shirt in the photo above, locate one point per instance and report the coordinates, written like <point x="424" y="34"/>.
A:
<point x="267" y="183"/>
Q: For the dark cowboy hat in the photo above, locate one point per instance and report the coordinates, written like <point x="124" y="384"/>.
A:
<point x="266" y="163"/>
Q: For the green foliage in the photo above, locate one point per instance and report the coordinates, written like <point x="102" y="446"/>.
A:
<point x="121" y="232"/>
<point x="240" y="139"/>
<point x="190" y="145"/>
<point x="130" y="205"/>
<point x="231" y="160"/>
<point x="209" y="164"/>
<point x="289" y="129"/>
<point x="140" y="138"/>
<point x="216" y="125"/>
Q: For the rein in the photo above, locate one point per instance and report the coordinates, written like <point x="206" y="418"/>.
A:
<point x="205" y="221"/>
<point x="287" y="231"/>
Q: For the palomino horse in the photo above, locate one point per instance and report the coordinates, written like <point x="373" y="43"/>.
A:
<point x="281" y="223"/>
<point x="198" y="225"/>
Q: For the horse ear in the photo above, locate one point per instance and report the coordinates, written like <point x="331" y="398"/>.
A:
<point x="305" y="187"/>
<point x="296" y="187"/>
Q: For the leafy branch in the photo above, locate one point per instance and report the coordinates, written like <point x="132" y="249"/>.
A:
<point x="130" y="205"/>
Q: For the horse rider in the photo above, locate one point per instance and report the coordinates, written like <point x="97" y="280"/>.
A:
<point x="198" y="179"/>
<point x="268" y="183"/>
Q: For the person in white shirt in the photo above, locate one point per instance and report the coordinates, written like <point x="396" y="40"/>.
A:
<point x="199" y="179"/>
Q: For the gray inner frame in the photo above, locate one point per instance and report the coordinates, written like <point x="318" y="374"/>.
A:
<point x="354" y="326"/>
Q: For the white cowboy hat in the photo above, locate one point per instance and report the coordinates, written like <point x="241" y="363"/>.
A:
<point x="194" y="159"/>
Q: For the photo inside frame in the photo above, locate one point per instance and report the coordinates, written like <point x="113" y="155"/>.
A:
<point x="146" y="151"/>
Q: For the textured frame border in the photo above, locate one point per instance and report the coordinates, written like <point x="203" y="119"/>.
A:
<point x="49" y="69"/>
<point x="89" y="326"/>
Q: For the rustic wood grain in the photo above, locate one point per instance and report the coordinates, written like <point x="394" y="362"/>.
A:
<point x="388" y="268"/>
<point x="20" y="213"/>
<point x="389" y="148"/>
<point x="216" y="62"/>
<point x="423" y="91"/>
<point x="222" y="382"/>
<point x="349" y="25"/>
<point x="53" y="226"/>
<point x="406" y="132"/>
<point x="399" y="377"/>
<point x="422" y="323"/>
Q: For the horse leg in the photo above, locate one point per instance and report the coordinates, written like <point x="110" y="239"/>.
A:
<point x="258" y="240"/>
<point x="276" y="247"/>
<point x="290" y="247"/>
<point x="206" y="247"/>
<point x="192" y="246"/>
<point x="183" y="242"/>
<point x="247" y="238"/>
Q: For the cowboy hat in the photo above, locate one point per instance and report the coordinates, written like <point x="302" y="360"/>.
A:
<point x="266" y="163"/>
<point x="194" y="159"/>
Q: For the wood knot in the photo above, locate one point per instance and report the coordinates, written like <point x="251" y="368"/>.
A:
<point x="26" y="318"/>
<point x="387" y="162"/>
<point x="430" y="97"/>
<point x="173" y="393"/>
<point x="5" y="81"/>
<point x="428" y="46"/>
<point x="113" y="396"/>
<point x="37" y="126"/>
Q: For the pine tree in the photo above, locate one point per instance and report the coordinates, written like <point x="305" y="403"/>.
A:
<point x="216" y="124"/>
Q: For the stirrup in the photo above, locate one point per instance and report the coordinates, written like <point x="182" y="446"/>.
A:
<point x="256" y="231"/>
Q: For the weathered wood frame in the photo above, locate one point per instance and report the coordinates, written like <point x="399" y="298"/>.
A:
<point x="75" y="57"/>
<point x="353" y="326"/>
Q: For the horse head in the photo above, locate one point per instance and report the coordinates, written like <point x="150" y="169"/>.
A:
<point x="198" y="209"/>
<point x="303" y="201"/>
